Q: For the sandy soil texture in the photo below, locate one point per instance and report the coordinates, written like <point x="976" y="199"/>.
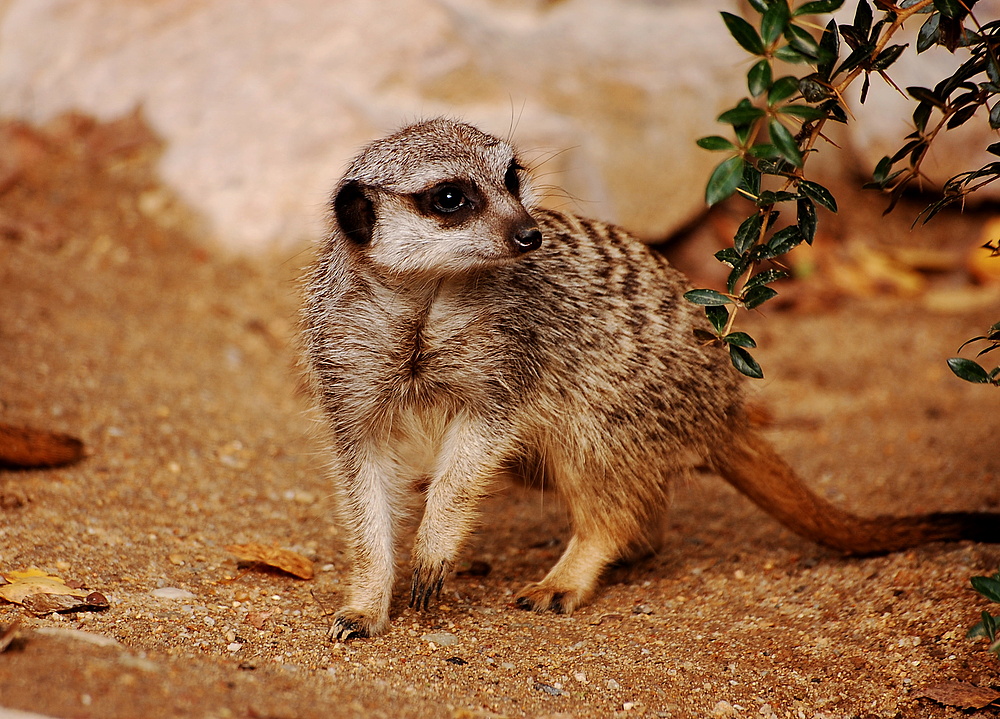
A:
<point x="175" y="365"/>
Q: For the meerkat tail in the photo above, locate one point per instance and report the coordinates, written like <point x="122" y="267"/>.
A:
<point x="751" y="465"/>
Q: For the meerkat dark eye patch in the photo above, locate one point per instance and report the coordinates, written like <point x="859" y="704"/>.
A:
<point x="448" y="198"/>
<point x="450" y="202"/>
<point x="512" y="180"/>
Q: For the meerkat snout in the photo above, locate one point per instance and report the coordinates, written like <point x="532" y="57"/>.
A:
<point x="527" y="239"/>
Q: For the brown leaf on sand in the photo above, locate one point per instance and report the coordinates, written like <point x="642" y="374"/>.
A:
<point x="283" y="559"/>
<point x="25" y="447"/>
<point x="960" y="694"/>
<point x="42" y="594"/>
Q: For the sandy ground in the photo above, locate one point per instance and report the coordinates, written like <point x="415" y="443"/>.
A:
<point x="175" y="364"/>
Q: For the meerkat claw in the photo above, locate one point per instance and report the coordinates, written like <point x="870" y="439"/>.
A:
<point x="346" y="627"/>
<point x="426" y="586"/>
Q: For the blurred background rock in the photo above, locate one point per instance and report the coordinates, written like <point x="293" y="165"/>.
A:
<point x="261" y="104"/>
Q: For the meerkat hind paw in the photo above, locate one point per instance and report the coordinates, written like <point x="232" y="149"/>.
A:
<point x="540" y="597"/>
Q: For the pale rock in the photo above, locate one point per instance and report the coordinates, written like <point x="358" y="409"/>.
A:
<point x="263" y="104"/>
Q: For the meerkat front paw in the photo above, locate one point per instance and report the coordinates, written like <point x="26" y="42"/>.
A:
<point x="352" y="624"/>
<point x="428" y="578"/>
<point x="541" y="597"/>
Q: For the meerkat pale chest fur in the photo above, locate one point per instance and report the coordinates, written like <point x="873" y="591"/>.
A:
<point x="456" y="334"/>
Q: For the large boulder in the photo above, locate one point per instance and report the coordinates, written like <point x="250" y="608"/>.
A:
<point x="262" y="104"/>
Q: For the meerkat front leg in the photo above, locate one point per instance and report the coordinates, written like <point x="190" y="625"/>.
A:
<point x="471" y="457"/>
<point x="371" y="511"/>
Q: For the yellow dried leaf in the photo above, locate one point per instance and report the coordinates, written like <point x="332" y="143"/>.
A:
<point x="34" y="581"/>
<point x="283" y="559"/>
<point x="33" y="572"/>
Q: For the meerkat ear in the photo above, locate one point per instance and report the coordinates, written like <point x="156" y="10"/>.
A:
<point x="354" y="213"/>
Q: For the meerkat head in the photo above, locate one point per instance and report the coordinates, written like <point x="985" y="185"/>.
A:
<point x="436" y="198"/>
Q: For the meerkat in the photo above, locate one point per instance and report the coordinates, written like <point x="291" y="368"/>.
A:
<point x="455" y="333"/>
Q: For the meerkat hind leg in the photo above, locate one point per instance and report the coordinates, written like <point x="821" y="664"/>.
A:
<point x="573" y="578"/>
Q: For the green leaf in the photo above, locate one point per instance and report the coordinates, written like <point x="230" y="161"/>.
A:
<point x="744" y="33"/>
<point x="784" y="240"/>
<point x="922" y="94"/>
<point x="759" y="5"/>
<point x="785" y="143"/>
<point x="745" y="363"/>
<point x="863" y="18"/>
<point x="741" y="115"/>
<point x="819" y="194"/>
<point x="718" y="316"/>
<point x="995" y="116"/>
<point x="764" y="150"/>
<point x="787" y="53"/>
<point x="994" y="149"/>
<point x="989" y="587"/>
<point x="724" y="180"/>
<point x="969" y="370"/>
<point x="728" y="256"/>
<point x="806" y="112"/>
<point x="993" y="71"/>
<point x="748" y="233"/>
<point x="782" y="89"/>
<point x="738" y="269"/>
<point x="751" y="179"/>
<point x="887" y="57"/>
<point x="807" y="219"/>
<point x="756" y="296"/>
<point x="818" y="7"/>
<point x="802" y="41"/>
<point x="829" y="51"/>
<point x="921" y="115"/>
<point x="962" y="116"/>
<point x="766" y="277"/>
<point x="770" y="197"/>
<point x="759" y="78"/>
<point x="707" y="297"/>
<point x="740" y="339"/>
<point x="715" y="142"/>
<point x="882" y="170"/>
<point x="950" y="8"/>
<point x="774" y="22"/>
<point x="929" y="33"/>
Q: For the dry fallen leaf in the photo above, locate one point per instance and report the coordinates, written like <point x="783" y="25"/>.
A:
<point x="283" y="559"/>
<point x="26" y="447"/>
<point x="960" y="694"/>
<point x="41" y="593"/>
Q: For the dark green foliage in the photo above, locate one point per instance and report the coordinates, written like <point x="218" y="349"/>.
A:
<point x="775" y="130"/>
<point x="988" y="587"/>
<point x="972" y="371"/>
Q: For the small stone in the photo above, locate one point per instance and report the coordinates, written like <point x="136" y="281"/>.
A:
<point x="723" y="709"/>
<point x="234" y="646"/>
<point x="172" y="593"/>
<point x="612" y="685"/>
<point x="442" y="639"/>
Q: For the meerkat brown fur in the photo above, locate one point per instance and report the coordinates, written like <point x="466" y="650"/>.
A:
<point x="456" y="334"/>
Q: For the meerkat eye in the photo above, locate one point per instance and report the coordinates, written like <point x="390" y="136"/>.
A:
<point x="512" y="180"/>
<point x="448" y="199"/>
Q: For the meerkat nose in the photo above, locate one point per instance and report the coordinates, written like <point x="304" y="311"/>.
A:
<point x="527" y="239"/>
